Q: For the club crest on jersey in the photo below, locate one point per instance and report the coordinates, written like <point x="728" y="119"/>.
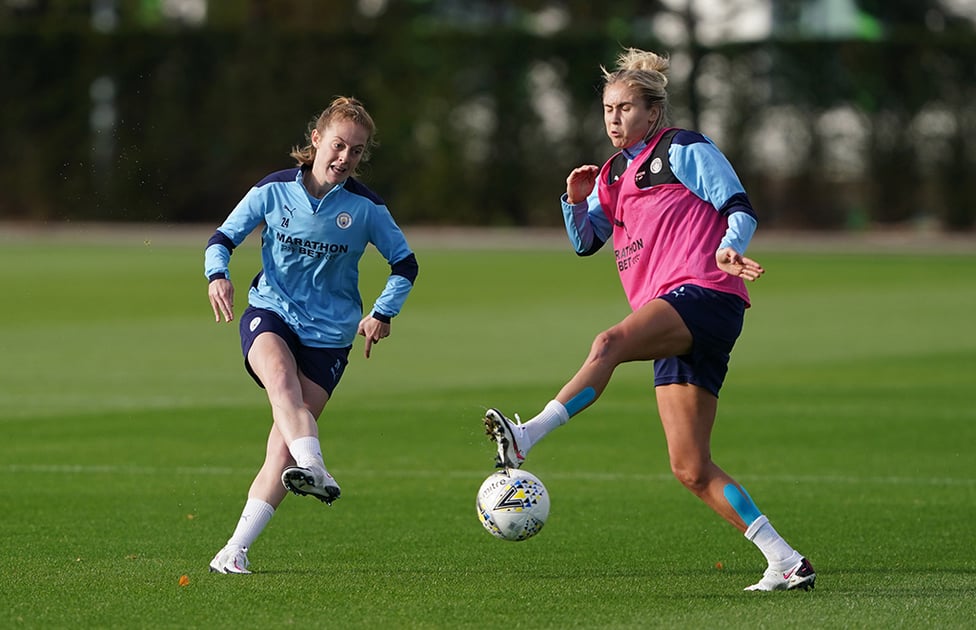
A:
<point x="344" y="220"/>
<point x="656" y="165"/>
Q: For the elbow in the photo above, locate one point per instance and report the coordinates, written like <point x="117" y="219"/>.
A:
<point x="406" y="268"/>
<point x="592" y="249"/>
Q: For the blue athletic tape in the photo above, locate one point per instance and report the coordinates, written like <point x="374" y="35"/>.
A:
<point x="742" y="503"/>
<point x="580" y="400"/>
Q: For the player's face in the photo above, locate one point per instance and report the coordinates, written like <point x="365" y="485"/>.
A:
<point x="338" y="150"/>
<point x="625" y="115"/>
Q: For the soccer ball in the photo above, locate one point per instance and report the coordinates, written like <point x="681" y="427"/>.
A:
<point x="513" y="504"/>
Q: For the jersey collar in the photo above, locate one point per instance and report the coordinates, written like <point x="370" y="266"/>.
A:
<point x="633" y="151"/>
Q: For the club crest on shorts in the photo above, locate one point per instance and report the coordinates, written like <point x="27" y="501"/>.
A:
<point x="344" y="220"/>
<point x="254" y="323"/>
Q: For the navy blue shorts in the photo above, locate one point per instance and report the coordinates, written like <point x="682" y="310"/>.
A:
<point x="323" y="366"/>
<point x="715" y="321"/>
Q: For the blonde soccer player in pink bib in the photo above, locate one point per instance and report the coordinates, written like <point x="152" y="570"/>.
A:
<point x="680" y="222"/>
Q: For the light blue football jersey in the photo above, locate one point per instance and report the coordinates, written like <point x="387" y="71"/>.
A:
<point x="310" y="253"/>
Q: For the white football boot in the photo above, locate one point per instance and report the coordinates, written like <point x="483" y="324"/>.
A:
<point x="797" y="575"/>
<point x="230" y="560"/>
<point x="312" y="481"/>
<point x="503" y="432"/>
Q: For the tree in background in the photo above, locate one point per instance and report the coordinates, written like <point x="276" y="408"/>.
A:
<point x="153" y="113"/>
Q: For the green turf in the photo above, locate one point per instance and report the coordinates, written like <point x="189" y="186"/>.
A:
<point x="129" y="433"/>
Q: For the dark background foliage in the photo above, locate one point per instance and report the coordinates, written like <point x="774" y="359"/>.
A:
<point x="481" y="111"/>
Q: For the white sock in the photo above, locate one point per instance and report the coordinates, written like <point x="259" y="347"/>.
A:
<point x="777" y="551"/>
<point x="307" y="451"/>
<point x="552" y="416"/>
<point x="253" y="519"/>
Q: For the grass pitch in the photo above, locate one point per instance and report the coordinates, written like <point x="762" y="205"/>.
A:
<point x="129" y="433"/>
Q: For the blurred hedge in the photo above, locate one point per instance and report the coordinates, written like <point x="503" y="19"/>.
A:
<point x="202" y="114"/>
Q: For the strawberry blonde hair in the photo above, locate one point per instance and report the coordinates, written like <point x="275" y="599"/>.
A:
<point x="341" y="108"/>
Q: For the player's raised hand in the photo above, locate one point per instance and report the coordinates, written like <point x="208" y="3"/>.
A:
<point x="580" y="182"/>
<point x="221" y="293"/>
<point x="735" y="264"/>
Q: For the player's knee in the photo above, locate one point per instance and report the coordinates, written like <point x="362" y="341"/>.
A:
<point x="605" y="346"/>
<point x="278" y="378"/>
<point x="692" y="475"/>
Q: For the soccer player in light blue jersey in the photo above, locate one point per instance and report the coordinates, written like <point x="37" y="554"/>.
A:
<point x="304" y="307"/>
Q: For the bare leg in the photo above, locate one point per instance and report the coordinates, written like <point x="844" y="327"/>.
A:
<point x="653" y="331"/>
<point x="688" y="415"/>
<point x="267" y="492"/>
<point x="272" y="361"/>
<point x="267" y="484"/>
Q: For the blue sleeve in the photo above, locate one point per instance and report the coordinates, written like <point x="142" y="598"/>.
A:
<point x="586" y="224"/>
<point x="741" y="228"/>
<point x="248" y="214"/>
<point x="705" y="171"/>
<point x="699" y="165"/>
<point x="216" y="258"/>
<point x="389" y="240"/>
